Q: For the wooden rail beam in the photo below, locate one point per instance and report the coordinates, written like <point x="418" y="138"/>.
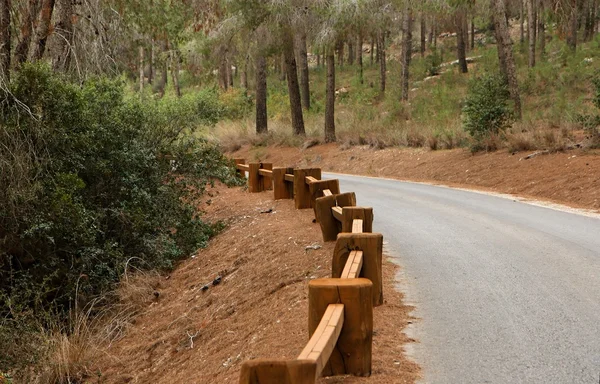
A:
<point x="310" y="179"/>
<point x="289" y="177"/>
<point x="327" y="192"/>
<point x="325" y="337"/>
<point x="353" y="265"/>
<point x="243" y="168"/>
<point x="265" y="172"/>
<point x="357" y="226"/>
<point x="337" y="213"/>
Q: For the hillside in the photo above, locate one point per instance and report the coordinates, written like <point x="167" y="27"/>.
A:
<point x="258" y="309"/>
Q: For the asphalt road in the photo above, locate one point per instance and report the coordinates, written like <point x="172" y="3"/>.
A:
<point x="506" y="292"/>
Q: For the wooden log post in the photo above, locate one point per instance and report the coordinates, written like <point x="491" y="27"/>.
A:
<point x="266" y="180"/>
<point x="316" y="190"/>
<point x="254" y="183"/>
<point x="352" y="353"/>
<point x="263" y="371"/>
<point x="371" y="244"/>
<point x="330" y="227"/>
<point x="351" y="213"/>
<point x="282" y="189"/>
<point x="301" y="188"/>
<point x="239" y="162"/>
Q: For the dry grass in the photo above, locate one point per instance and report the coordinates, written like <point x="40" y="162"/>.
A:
<point x="70" y="349"/>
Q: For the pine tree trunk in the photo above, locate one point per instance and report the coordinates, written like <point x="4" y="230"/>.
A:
<point x="341" y="53"/>
<point x="293" y="87"/>
<point x="466" y="30"/>
<point x="359" y="57"/>
<point x="43" y="30"/>
<point x="351" y="52"/>
<point x="531" y="26"/>
<point x="382" y="64"/>
<point x="573" y="26"/>
<point x="522" y="21"/>
<point x="244" y="74"/>
<point x="159" y="86"/>
<point x="472" y="32"/>
<point x="22" y="49"/>
<point x="152" y="63"/>
<point x="406" y="51"/>
<point x="459" y="17"/>
<point x="175" y="72"/>
<point x="5" y="40"/>
<point x="282" y="69"/>
<point x="228" y="72"/>
<point x="141" y="68"/>
<point x="542" y="29"/>
<point x="63" y="41"/>
<point x="223" y="83"/>
<point x="261" y="94"/>
<point x="304" y="75"/>
<point x="318" y="60"/>
<point x="505" y="55"/>
<point x="423" y="34"/>
<point x="330" y="99"/>
<point x="372" y="49"/>
<point x="434" y="29"/>
<point x="431" y="32"/>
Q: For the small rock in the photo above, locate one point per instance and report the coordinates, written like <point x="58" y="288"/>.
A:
<point x="313" y="247"/>
<point x="217" y="280"/>
<point x="204" y="288"/>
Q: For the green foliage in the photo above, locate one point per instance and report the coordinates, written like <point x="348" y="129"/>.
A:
<point x="94" y="179"/>
<point x="486" y="111"/>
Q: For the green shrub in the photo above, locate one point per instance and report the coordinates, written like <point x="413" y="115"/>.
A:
<point x="91" y="179"/>
<point x="486" y="111"/>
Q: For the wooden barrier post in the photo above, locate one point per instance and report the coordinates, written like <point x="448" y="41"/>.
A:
<point x="352" y="353"/>
<point x="330" y="227"/>
<point x="316" y="190"/>
<point x="267" y="182"/>
<point x="254" y="183"/>
<point x="240" y="162"/>
<point x="351" y="213"/>
<point x="371" y="244"/>
<point x="282" y="189"/>
<point x="301" y="188"/>
<point x="263" y="371"/>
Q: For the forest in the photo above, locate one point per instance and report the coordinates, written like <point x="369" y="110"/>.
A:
<point x="115" y="115"/>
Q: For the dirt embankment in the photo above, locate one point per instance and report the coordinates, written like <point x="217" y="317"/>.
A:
<point x="571" y="178"/>
<point x="258" y="310"/>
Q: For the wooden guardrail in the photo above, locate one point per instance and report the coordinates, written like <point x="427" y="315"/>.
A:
<point x="340" y="308"/>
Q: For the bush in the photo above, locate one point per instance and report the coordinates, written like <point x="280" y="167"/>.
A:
<point x="91" y="179"/>
<point x="486" y="111"/>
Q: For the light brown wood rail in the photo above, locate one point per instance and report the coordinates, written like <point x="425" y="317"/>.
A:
<point x="357" y="226"/>
<point x="327" y="192"/>
<point x="310" y="179"/>
<point x="323" y="341"/>
<point x="243" y="167"/>
<point x="289" y="177"/>
<point x="265" y="172"/>
<point x="353" y="265"/>
<point x="337" y="213"/>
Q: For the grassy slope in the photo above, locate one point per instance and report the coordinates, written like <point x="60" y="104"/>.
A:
<point x="554" y="93"/>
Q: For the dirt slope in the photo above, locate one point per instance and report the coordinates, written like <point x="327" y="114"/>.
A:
<point x="571" y="178"/>
<point x="259" y="309"/>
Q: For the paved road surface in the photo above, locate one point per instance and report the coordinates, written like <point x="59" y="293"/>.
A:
<point x="507" y="292"/>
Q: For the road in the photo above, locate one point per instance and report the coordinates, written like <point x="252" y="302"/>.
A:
<point x="506" y="292"/>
